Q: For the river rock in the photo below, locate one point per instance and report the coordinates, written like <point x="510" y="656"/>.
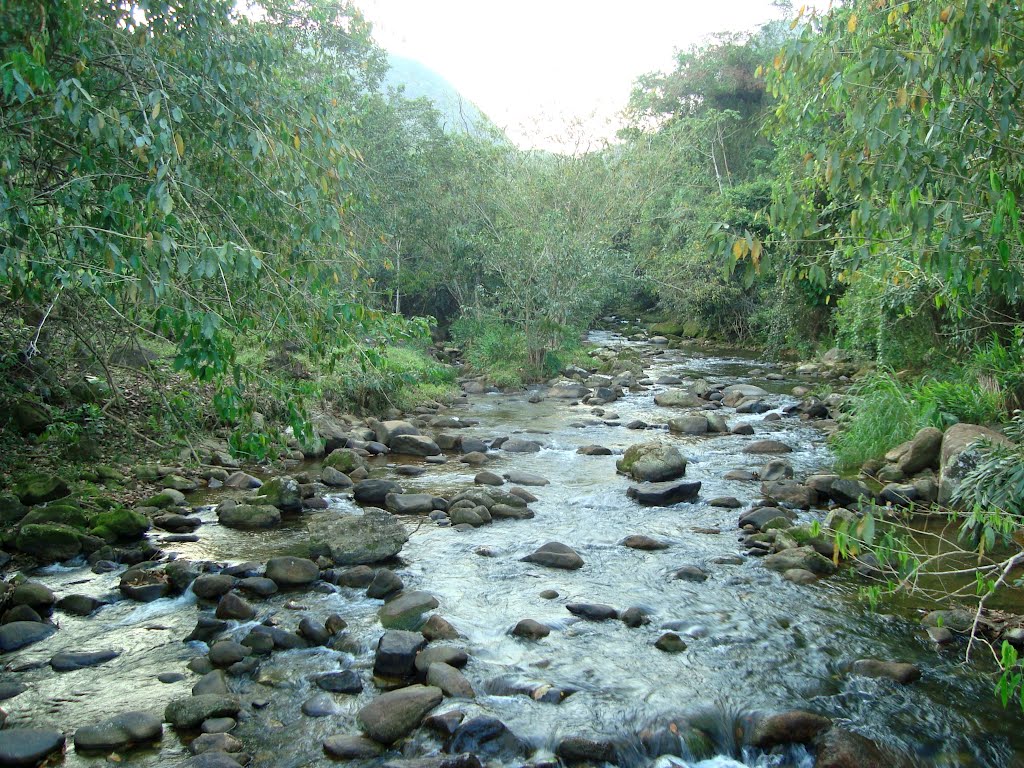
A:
<point x="320" y="705"/>
<point x="594" y="450"/>
<point x="799" y="576"/>
<point x="190" y="711"/>
<point x="372" y="537"/>
<point x="450" y="680"/>
<point x="224" y="653"/>
<point x="212" y="682"/>
<point x="18" y="634"/>
<point x="344" y="747"/>
<point x="28" y="746"/>
<point x="119" y="732"/>
<point x="646" y="543"/>
<point x="232" y="606"/>
<point x="386" y="431"/>
<point x="34" y="595"/>
<point x="555" y="555"/>
<point x="957" y="457"/>
<point x="839" y="748"/>
<point x="664" y="494"/>
<point x="899" y="672"/>
<point x="215" y="760"/>
<point x="520" y="445"/>
<point x="439" y="628"/>
<point x="69" y="662"/>
<point x="385" y="582"/>
<point x="526" y="478"/>
<point x="804" y="558"/>
<point x="259" y="586"/>
<point x="393" y="715"/>
<point x="39" y="488"/>
<point x="693" y="424"/>
<point x="777" y="469"/>
<point x="213" y="586"/>
<point x="488" y="736"/>
<point x="792" y="493"/>
<point x="446" y="654"/>
<point x="690" y="573"/>
<point x="375" y="491"/>
<point x="345" y="681"/>
<point x="678" y="398"/>
<point x="794" y="727"/>
<point x="335" y="478"/>
<point x="396" y="654"/>
<point x="405" y="611"/>
<point x="592" y="611"/>
<point x="345" y="460"/>
<point x="8" y="690"/>
<point x="652" y="462"/>
<point x="409" y="503"/>
<point x="670" y="642"/>
<point x="763" y="518"/>
<point x="248" y="516"/>
<point x="572" y="750"/>
<point x="955" y="619"/>
<point x="921" y="452"/>
<point x="531" y="630"/>
<point x="414" y="445"/>
<point x="488" y="478"/>
<point x="289" y="571"/>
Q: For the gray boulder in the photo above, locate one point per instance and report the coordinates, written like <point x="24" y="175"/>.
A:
<point x="652" y="462"/>
<point x="555" y="555"/>
<point x="120" y="731"/>
<point x="28" y="746"/>
<point x="393" y="715"/>
<point x="372" y="537"/>
<point x="289" y="571"/>
<point x="248" y="516"/>
<point x="414" y="445"/>
<point x="664" y="494"/>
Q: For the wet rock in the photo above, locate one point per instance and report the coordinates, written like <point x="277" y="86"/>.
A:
<point x="218" y="725"/>
<point x="839" y="748"/>
<point x="345" y="747"/>
<point x="314" y="632"/>
<point x="258" y="586"/>
<point x="548" y="594"/>
<point x="664" y="494"/>
<point x="474" y="459"/>
<point x="594" y="450"/>
<point x="506" y="512"/>
<point x="767" y="446"/>
<point x="393" y="715"/>
<point x="215" y="682"/>
<point x="289" y="571"/>
<point x="469" y="445"/>
<point x="396" y="654"/>
<point x="693" y="424"/>
<point x="281" y="639"/>
<point x="358" y="577"/>
<point x="940" y="635"/>
<point x="791" y="493"/>
<point x="414" y="445"/>
<point x="645" y="543"/>
<point x="19" y="634"/>
<point x="528" y="479"/>
<point x="652" y="462"/>
<point x="531" y="630"/>
<point x="69" y="662"/>
<point x="899" y="672"/>
<point x="572" y="750"/>
<point x="119" y="732"/>
<point x="445" y="654"/>
<point x="725" y="502"/>
<point x="335" y="478"/>
<point x="678" y="398"/>
<point x="555" y="555"/>
<point x="236" y="608"/>
<point x="799" y="576"/>
<point x="522" y="494"/>
<point x="740" y="475"/>
<point x="34" y="595"/>
<point x="372" y="537"/>
<point x="206" y="629"/>
<point x="763" y="518"/>
<point x="385" y="582"/>
<point x="439" y="628"/>
<point x="375" y="491"/>
<point x="670" y="642"/>
<point x="190" y="711"/>
<point x="776" y="469"/>
<point x="345" y="681"/>
<point x="215" y="742"/>
<point x="520" y="445"/>
<point x="634" y="617"/>
<point x="320" y="705"/>
<point x="592" y="611"/>
<point x="8" y="690"/>
<point x="804" y="558"/>
<point x="249" y="517"/>
<point x="486" y="736"/>
<point x="28" y="746"/>
<point x="409" y="503"/>
<point x="954" y="619"/>
<point x="450" y="680"/>
<point x="488" y="478"/>
<point x="21" y="613"/>
<point x="405" y="611"/>
<point x="690" y="573"/>
<point x="794" y="727"/>
<point x="144" y="586"/>
<point x="227" y="652"/>
<point x="79" y="605"/>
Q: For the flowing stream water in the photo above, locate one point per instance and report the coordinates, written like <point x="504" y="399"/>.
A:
<point x="755" y="641"/>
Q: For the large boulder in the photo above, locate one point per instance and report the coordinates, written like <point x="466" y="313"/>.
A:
<point x="281" y="492"/>
<point x="371" y="537"/>
<point x="405" y="610"/>
<point x="191" y="711"/>
<point x="652" y="462"/>
<point x="414" y="445"/>
<point x="50" y="542"/>
<point x="28" y="746"/>
<point x="118" y="732"/>
<point x="803" y="558"/>
<point x="289" y="571"/>
<point x="386" y="431"/>
<point x="39" y="488"/>
<point x="958" y="456"/>
<point x="393" y="715"/>
<point x="679" y="398"/>
<point x="555" y="555"/>
<point x="664" y="494"/>
<point x="922" y="452"/>
<point x="345" y="460"/>
<point x="375" y="491"/>
<point x="248" y="517"/>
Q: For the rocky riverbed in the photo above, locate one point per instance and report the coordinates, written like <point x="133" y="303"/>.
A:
<point x="624" y="568"/>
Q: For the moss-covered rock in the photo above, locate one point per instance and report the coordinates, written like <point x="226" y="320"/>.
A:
<point x="147" y="472"/>
<point x="164" y="499"/>
<point x="40" y="487"/>
<point x="28" y="419"/>
<point x="11" y="509"/>
<point x="281" y="492"/>
<point x="70" y="515"/>
<point x="106" y="472"/>
<point x="344" y="460"/>
<point x="120" y="525"/>
<point x="50" y="542"/>
<point x="668" y="328"/>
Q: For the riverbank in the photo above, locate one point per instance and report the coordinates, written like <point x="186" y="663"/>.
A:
<point x="669" y="638"/>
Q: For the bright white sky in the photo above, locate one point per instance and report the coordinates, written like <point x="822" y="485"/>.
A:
<point x="535" y="66"/>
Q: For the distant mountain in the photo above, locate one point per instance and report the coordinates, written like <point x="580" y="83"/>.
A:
<point x="458" y="113"/>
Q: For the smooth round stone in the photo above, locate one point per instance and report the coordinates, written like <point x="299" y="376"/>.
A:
<point x="170" y="677"/>
<point x="28" y="746"/>
<point x="321" y="705"/>
<point x="345" y="681"/>
<point x="218" y="725"/>
<point x="549" y="594"/>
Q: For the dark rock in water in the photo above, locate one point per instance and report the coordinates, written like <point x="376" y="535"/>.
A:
<point x="523" y="494"/>
<point x="396" y="654"/>
<point x="531" y="630"/>
<point x="439" y="628"/>
<point x="212" y="586"/>
<point x="839" y="748"/>
<point x="79" y="605"/>
<point x="345" y="681"/>
<point x="69" y="662"/>
<point x="409" y="503"/>
<point x="228" y="652"/>
<point x="634" y="617"/>
<point x="352" y="747"/>
<point x="21" y="613"/>
<point x="28" y="746"/>
<point x="592" y="611"/>
<point x="258" y="586"/>
<point x="405" y="610"/>
<point x="670" y="642"/>
<point x="488" y="736"/>
<point x="8" y="690"/>
<point x="231" y="606"/>
<point x="526" y="478"/>
<point x="249" y="516"/>
<point x="594" y="450"/>
<point x="578" y="749"/>
<point x="804" y="558"/>
<point x="488" y="478"/>
<point x="120" y="731"/>
<point x="218" y="725"/>
<point x="445" y="723"/>
<point x="144" y="586"/>
<point x="213" y="760"/>
<point x="385" y="582"/>
<point x="899" y="672"/>
<point x="375" y="491"/>
<point x="335" y="478"/>
<point x="725" y="502"/>
<point x="212" y="682"/>
<point x="664" y="494"/>
<point x="646" y="543"/>
<point x="206" y="629"/>
<point x="320" y="705"/>
<point x="291" y="571"/>
<point x="215" y="742"/>
<point x="446" y="654"/>
<point x="799" y="576"/>
<point x="450" y="680"/>
<point x="314" y="632"/>
<point x="767" y="446"/>
<point x="34" y="595"/>
<point x="18" y="634"/>
<point x="793" y="727"/>
<point x="372" y="537"/>
<point x="776" y="469"/>
<point x="191" y="711"/>
<point x="517" y="445"/>
<point x="761" y="517"/>
<point x="414" y="445"/>
<point x="393" y="715"/>
<point x="791" y="493"/>
<point x="170" y="677"/>
<point x="555" y="555"/>
<point x="360" y="576"/>
<point x="548" y="594"/>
